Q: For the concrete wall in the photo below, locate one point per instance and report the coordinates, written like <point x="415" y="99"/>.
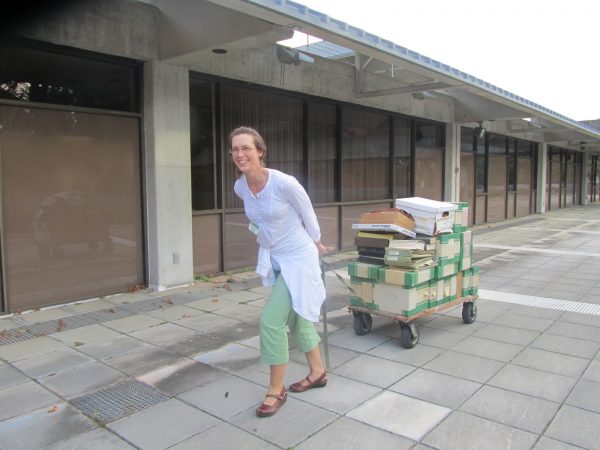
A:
<point x="324" y="78"/>
<point x="541" y="178"/>
<point x="452" y="163"/>
<point x="168" y="175"/>
<point x="115" y="27"/>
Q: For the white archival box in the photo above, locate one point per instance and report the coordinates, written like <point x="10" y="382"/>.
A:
<point x="431" y="217"/>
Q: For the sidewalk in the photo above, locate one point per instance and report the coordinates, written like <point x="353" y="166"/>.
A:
<point x="179" y="369"/>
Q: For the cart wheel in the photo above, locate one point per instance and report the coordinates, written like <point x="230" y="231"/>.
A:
<point x="469" y="312"/>
<point x="409" y="336"/>
<point x="362" y="323"/>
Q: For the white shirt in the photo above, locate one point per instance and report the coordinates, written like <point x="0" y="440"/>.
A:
<point x="287" y="232"/>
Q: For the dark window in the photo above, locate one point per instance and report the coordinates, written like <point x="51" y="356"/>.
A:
<point x="480" y="171"/>
<point x="202" y="145"/>
<point x="512" y="166"/>
<point x="466" y="141"/>
<point x="71" y="204"/>
<point x="278" y="118"/>
<point x="321" y="152"/>
<point x="36" y="75"/>
<point x="497" y="145"/>
<point x="429" y="161"/>
<point x="365" y="155"/>
<point x="401" y="157"/>
<point x="430" y="135"/>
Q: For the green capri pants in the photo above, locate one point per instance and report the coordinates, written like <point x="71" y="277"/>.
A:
<point x="276" y="317"/>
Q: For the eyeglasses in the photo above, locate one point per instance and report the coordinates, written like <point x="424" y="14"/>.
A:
<point x="245" y="150"/>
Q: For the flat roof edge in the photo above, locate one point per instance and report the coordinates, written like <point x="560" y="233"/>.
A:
<point x="321" y="20"/>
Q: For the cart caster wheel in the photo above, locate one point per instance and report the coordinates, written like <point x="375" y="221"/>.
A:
<point x="362" y="323"/>
<point x="409" y="336"/>
<point x="469" y="312"/>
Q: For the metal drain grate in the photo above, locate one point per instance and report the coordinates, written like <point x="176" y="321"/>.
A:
<point x="106" y="315"/>
<point x="48" y="327"/>
<point x="541" y="302"/>
<point x="118" y="401"/>
<point x="14" y="335"/>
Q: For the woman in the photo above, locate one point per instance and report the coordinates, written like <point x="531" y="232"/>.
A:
<point x="286" y="228"/>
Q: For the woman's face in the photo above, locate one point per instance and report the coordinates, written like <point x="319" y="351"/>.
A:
<point x="244" y="153"/>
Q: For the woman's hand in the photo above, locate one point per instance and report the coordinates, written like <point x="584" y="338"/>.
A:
<point x="323" y="249"/>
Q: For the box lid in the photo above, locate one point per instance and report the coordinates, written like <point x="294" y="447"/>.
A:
<point x="425" y="204"/>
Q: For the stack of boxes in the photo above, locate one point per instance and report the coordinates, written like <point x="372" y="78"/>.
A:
<point x="407" y="291"/>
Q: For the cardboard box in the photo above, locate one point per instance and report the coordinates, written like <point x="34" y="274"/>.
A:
<point x="466" y="237"/>
<point x="471" y="281"/>
<point x="474" y="280"/>
<point x="386" y="227"/>
<point x="357" y="301"/>
<point x="362" y="288"/>
<point x="405" y="277"/>
<point x="371" y="242"/>
<point x="465" y="283"/>
<point x="430" y="241"/>
<point x="362" y="270"/>
<point x="445" y="270"/>
<point x="373" y="260"/>
<point x="402" y="301"/>
<point x="371" y="251"/>
<point x="431" y="217"/>
<point x="448" y="246"/>
<point x="445" y="260"/>
<point x="392" y="215"/>
<point x="462" y="214"/>
<point x="449" y="288"/>
<point x="436" y="293"/>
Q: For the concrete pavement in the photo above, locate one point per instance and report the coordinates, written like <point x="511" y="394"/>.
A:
<point x="179" y="369"/>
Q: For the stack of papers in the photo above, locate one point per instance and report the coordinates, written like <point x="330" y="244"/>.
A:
<point x="414" y="258"/>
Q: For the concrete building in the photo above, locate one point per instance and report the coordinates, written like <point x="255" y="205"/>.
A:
<point x="114" y="116"/>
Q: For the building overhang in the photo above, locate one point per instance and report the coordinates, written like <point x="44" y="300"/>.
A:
<point x="192" y="29"/>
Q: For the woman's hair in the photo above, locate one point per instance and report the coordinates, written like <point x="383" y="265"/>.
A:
<point x="259" y="142"/>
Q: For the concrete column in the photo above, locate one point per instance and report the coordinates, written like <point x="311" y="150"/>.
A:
<point x="585" y="160"/>
<point x="452" y="163"/>
<point x="168" y="175"/>
<point x="541" y="178"/>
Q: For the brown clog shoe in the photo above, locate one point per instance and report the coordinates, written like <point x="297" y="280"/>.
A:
<point x="265" y="410"/>
<point x="318" y="383"/>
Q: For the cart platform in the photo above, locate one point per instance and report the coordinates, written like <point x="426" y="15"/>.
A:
<point x="409" y="336"/>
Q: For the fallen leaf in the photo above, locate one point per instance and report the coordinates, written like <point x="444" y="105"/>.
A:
<point x="215" y="300"/>
<point x="110" y="310"/>
<point x="17" y="312"/>
<point x="226" y="287"/>
<point x="53" y="409"/>
<point x="187" y="316"/>
<point x="60" y="325"/>
<point x="137" y="287"/>
<point x="168" y="300"/>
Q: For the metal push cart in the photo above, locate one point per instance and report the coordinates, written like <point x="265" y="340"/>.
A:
<point x="409" y="335"/>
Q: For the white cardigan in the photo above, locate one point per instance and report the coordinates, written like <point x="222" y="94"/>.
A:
<point x="287" y="232"/>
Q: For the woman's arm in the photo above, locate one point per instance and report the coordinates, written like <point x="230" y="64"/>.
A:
<point x="298" y="198"/>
